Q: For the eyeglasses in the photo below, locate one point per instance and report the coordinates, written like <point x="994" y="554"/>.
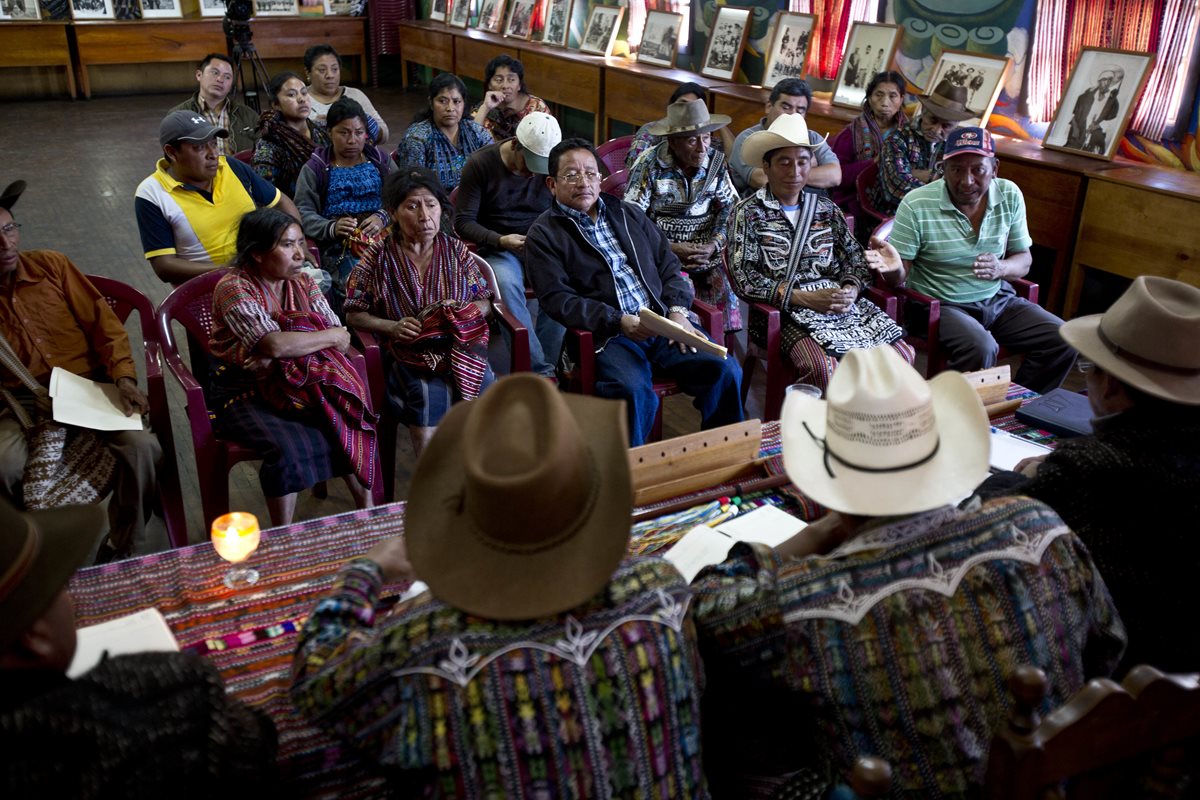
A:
<point x="577" y="178"/>
<point x="10" y="230"/>
<point x="1084" y="366"/>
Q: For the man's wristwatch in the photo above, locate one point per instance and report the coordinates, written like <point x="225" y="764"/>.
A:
<point x="677" y="310"/>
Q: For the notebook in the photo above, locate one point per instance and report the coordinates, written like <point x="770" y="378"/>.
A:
<point x="1061" y="412"/>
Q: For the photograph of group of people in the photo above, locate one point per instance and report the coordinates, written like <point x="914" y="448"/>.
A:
<point x="789" y="48"/>
<point x="868" y="52"/>
<point x="728" y="36"/>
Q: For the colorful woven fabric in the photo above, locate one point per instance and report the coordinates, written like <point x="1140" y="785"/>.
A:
<point x="452" y="343"/>
<point x="905" y="150"/>
<point x="600" y="702"/>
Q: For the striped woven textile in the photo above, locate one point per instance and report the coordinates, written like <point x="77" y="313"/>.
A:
<point x="453" y="343"/>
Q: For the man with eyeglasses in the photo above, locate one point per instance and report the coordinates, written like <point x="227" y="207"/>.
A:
<point x="213" y="99"/>
<point x="52" y="316"/>
<point x="790" y="96"/>
<point x="595" y="262"/>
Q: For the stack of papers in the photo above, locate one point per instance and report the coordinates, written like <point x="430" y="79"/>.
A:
<point x="88" y="404"/>
<point x="1009" y="450"/>
<point x="703" y="546"/>
<point x="143" y="632"/>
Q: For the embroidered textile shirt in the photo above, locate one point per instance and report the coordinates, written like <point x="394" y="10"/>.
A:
<point x="695" y="205"/>
<point x="600" y="702"/>
<point x="242" y="312"/>
<point x="822" y="154"/>
<point x="905" y="150"/>
<point x="424" y="145"/>
<point x="942" y="244"/>
<point x="631" y="292"/>
<point x="899" y="644"/>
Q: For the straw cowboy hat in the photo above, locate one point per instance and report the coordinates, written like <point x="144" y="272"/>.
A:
<point x="886" y="442"/>
<point x="1148" y="339"/>
<point x="688" y="116"/>
<point x="949" y="103"/>
<point x="39" y="552"/>
<point x="520" y="505"/>
<point x="788" y="130"/>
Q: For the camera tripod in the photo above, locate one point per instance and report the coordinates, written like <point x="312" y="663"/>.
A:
<point x="239" y="40"/>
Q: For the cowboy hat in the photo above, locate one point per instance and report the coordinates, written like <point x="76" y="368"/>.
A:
<point x="884" y="441"/>
<point x="788" y="130"/>
<point x="949" y="103"/>
<point x="1147" y="339"/>
<point x="520" y="505"/>
<point x="687" y="116"/>
<point x="39" y="552"/>
<point x="10" y="195"/>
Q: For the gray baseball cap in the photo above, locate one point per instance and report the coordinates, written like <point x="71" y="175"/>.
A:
<point x="187" y="126"/>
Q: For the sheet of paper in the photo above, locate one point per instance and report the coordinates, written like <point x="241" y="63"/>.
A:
<point x="143" y="632"/>
<point x="699" y="547"/>
<point x="767" y="525"/>
<point x="665" y="327"/>
<point x="88" y="404"/>
<point x="1008" y="450"/>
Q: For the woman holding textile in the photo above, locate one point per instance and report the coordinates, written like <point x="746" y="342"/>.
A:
<point x="422" y="290"/>
<point x="792" y="249"/>
<point x="506" y="101"/>
<point x="286" y="136"/>
<point x="282" y="383"/>
<point x="683" y="185"/>
<point x="861" y="142"/>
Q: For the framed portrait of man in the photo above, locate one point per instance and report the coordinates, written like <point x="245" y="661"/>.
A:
<point x="437" y="10"/>
<point x="460" y="13"/>
<point x="788" y="56"/>
<point x="1096" y="106"/>
<point x="20" y="10"/>
<point x="491" y="15"/>
<point x="869" y="51"/>
<point x="558" y="22"/>
<point x="601" y="31"/>
<point x="520" y="18"/>
<point x="660" y="38"/>
<point x="723" y="55"/>
<point x="972" y="79"/>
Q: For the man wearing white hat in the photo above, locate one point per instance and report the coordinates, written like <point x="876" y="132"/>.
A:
<point x="1139" y="472"/>
<point x="789" y="96"/>
<point x="899" y="640"/>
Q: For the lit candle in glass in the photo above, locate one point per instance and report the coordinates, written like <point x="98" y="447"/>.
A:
<point x="235" y="537"/>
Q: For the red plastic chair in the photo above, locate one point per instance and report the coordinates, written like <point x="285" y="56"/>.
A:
<point x="373" y="355"/>
<point x="615" y="183"/>
<point x="245" y="156"/>
<point x="581" y="378"/>
<point x="190" y="304"/>
<point x="125" y="300"/>
<point x="613" y="152"/>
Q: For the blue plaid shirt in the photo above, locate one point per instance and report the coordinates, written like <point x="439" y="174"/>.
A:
<point x="424" y="145"/>
<point x="631" y="293"/>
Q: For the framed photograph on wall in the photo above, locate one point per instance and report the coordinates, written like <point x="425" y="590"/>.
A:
<point x="723" y="55"/>
<point x="601" y="31"/>
<point x="971" y="79"/>
<point x="20" y="10"/>
<point x="788" y="56"/>
<point x="520" y="18"/>
<point x="437" y="10"/>
<point x="97" y="9"/>
<point x="161" y="9"/>
<point x="558" y="22"/>
<point x="1098" y="101"/>
<point x="660" y="38"/>
<point x="869" y="50"/>
<point x="491" y="15"/>
<point x="460" y="13"/>
<point x="276" y="8"/>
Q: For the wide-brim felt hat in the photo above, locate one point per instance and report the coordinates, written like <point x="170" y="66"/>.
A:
<point x="951" y="107"/>
<point x="884" y="441"/>
<point x="10" y="195"/>
<point x="688" y="116"/>
<point x="788" y="130"/>
<point x="39" y="552"/>
<point x="520" y="506"/>
<point x="1147" y="339"/>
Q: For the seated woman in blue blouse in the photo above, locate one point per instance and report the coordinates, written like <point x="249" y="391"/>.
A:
<point x="442" y="136"/>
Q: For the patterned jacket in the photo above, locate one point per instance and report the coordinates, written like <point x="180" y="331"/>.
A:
<point x="904" y="151"/>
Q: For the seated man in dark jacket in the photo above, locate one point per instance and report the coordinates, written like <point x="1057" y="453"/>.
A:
<point x="595" y="262"/>
<point x="145" y="725"/>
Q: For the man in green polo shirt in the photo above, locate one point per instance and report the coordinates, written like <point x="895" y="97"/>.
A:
<point x="961" y="240"/>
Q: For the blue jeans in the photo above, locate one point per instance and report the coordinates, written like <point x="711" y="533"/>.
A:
<point x="623" y="371"/>
<point x="546" y="345"/>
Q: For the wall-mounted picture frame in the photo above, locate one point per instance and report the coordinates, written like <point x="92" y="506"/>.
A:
<point x="460" y="13"/>
<point x="520" y="18"/>
<point x="20" y="10"/>
<point x="726" y="40"/>
<point x="558" y="22"/>
<point x="788" y="56"/>
<point x="491" y="16"/>
<point x="601" y="31"/>
<point x="216" y="8"/>
<point x="276" y="8"/>
<point x="1098" y="101"/>
<point x="92" y="9"/>
<point x="869" y="50"/>
<point x="437" y="10"/>
<point x="660" y="39"/>
<point x="161" y="9"/>
<point x="973" y="79"/>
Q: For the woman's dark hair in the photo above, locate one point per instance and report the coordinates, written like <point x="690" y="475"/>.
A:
<point x="405" y="181"/>
<point x="503" y="61"/>
<point x="259" y="232"/>
<point x="316" y="51"/>
<point x="343" y="110"/>
<point x="890" y="76"/>
<point x="686" y="88"/>
<point x="277" y="84"/>
<point x="440" y="83"/>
